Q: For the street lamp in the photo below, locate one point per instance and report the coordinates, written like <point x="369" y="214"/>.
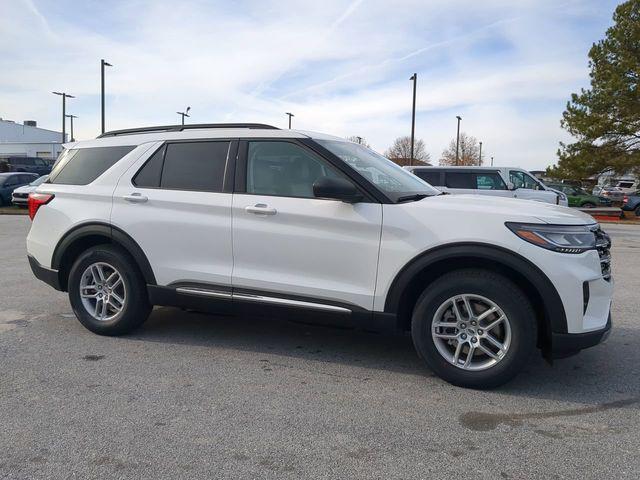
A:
<point x="458" y="140"/>
<point x="64" y="97"/>
<point x="184" y="114"/>
<point x="359" y="140"/>
<point x="102" y="65"/>
<point x="290" y="115"/>
<point x="414" y="77"/>
<point x="71" y="117"/>
<point x="492" y="161"/>
<point x="480" y="155"/>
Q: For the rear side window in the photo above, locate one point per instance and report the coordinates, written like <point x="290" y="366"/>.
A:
<point x="432" y="178"/>
<point x="195" y="166"/>
<point x="460" y="180"/>
<point x="150" y="174"/>
<point x="83" y="165"/>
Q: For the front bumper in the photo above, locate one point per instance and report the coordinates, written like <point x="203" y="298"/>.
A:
<point x="47" y="275"/>
<point x="567" y="344"/>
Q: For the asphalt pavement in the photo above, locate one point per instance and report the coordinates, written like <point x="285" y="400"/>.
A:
<point x="197" y="396"/>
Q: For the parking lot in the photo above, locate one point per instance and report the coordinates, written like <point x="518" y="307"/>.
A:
<point x="197" y="396"/>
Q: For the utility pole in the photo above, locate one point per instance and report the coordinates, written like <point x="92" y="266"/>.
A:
<point x="64" y="113"/>
<point x="290" y="115"/>
<point x="71" y="117"/>
<point x="492" y="161"/>
<point x="184" y="114"/>
<point x="458" y="140"/>
<point x="480" y="155"/>
<point x="102" y="65"/>
<point x="414" y="77"/>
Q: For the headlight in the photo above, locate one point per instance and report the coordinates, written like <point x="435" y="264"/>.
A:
<point x="559" y="238"/>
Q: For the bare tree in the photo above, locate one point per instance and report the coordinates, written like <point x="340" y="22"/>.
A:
<point x="361" y="140"/>
<point x="469" y="152"/>
<point x="400" y="152"/>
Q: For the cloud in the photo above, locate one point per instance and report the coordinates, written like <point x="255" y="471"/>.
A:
<point x="341" y="66"/>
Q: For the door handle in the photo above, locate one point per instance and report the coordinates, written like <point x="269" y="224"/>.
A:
<point x="135" y="198"/>
<point x="260" y="209"/>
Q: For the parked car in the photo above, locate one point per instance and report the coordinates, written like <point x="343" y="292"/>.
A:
<point x="10" y="181"/>
<point x="36" y="165"/>
<point x="628" y="186"/>
<point x="495" y="181"/>
<point x="631" y="203"/>
<point x="615" y="194"/>
<point x="579" y="197"/>
<point x="21" y="194"/>
<point x="250" y="219"/>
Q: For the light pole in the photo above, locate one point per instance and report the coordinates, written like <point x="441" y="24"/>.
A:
<point x="71" y="117"/>
<point x="480" y="155"/>
<point x="359" y="140"/>
<point x="414" y="77"/>
<point x="64" y="113"/>
<point x="290" y="115"/>
<point x="458" y="140"/>
<point x="492" y="161"/>
<point x="102" y="65"/>
<point x="184" y="114"/>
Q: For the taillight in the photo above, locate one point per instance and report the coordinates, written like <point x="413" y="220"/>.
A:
<point x="625" y="199"/>
<point x="36" y="200"/>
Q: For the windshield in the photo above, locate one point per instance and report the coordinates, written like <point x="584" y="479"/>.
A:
<point x="393" y="180"/>
<point x="38" y="181"/>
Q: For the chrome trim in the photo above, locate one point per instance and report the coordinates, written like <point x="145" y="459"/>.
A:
<point x="203" y="292"/>
<point x="285" y="301"/>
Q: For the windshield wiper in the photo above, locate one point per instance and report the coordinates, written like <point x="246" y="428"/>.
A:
<point x="412" y="198"/>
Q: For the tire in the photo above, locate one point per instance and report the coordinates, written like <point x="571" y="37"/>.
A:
<point x="637" y="211"/>
<point x="135" y="307"/>
<point x="518" y="332"/>
<point x="588" y="205"/>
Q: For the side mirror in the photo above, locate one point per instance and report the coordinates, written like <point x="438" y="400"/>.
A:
<point x="511" y="186"/>
<point x="336" y="189"/>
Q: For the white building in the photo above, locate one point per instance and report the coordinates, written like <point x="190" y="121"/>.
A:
<point x="17" y="140"/>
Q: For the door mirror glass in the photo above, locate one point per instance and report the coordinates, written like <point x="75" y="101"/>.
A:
<point x="336" y="189"/>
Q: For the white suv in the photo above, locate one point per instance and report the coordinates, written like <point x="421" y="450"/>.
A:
<point x="247" y="218"/>
<point x="510" y="182"/>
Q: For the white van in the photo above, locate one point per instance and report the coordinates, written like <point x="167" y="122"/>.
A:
<point x="496" y="181"/>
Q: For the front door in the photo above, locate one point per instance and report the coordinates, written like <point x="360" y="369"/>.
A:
<point x="289" y="244"/>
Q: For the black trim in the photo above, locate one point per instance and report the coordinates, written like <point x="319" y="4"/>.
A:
<point x="552" y="304"/>
<point x="180" y="128"/>
<point x="104" y="230"/>
<point x="47" y="275"/>
<point x="567" y="344"/>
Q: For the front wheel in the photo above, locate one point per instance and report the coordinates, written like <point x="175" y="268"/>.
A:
<point x="474" y="328"/>
<point x="107" y="291"/>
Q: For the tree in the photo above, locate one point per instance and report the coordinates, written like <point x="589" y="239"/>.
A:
<point x="361" y="140"/>
<point x="605" y="119"/>
<point x="468" y="153"/>
<point x="400" y="152"/>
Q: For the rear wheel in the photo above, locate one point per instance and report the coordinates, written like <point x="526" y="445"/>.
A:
<point x="107" y="292"/>
<point x="588" y="205"/>
<point x="637" y="211"/>
<point x="474" y="328"/>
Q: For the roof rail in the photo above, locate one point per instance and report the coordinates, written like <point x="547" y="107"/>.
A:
<point x="180" y="128"/>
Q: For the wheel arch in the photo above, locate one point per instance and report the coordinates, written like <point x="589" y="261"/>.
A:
<point x="427" y="267"/>
<point x="84" y="236"/>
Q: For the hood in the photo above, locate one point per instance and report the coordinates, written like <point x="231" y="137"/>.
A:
<point x="511" y="209"/>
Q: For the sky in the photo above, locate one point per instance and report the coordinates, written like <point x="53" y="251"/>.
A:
<point x="507" y="67"/>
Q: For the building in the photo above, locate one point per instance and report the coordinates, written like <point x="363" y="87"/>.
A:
<point x="28" y="140"/>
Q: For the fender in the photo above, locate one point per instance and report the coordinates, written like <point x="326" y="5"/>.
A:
<point x="554" y="313"/>
<point x="116" y="235"/>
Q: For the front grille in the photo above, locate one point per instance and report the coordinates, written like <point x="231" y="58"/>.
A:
<point x="603" y="246"/>
<point x="20" y="195"/>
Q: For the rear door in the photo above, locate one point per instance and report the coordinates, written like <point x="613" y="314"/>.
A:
<point x="289" y="246"/>
<point x="476" y="182"/>
<point x="176" y="206"/>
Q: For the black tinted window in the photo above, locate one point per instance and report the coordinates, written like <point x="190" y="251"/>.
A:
<point x="283" y="169"/>
<point x="82" y="166"/>
<point x="460" y="180"/>
<point x="432" y="178"/>
<point x="150" y="174"/>
<point x="195" y="166"/>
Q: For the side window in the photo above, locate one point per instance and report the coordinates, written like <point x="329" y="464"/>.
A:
<point x="194" y="166"/>
<point x="30" y="162"/>
<point x="432" y="178"/>
<point x="150" y="173"/>
<point x="82" y="166"/>
<point x="460" y="180"/>
<point x="283" y="169"/>
<point x="490" y="181"/>
<point x="522" y="180"/>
